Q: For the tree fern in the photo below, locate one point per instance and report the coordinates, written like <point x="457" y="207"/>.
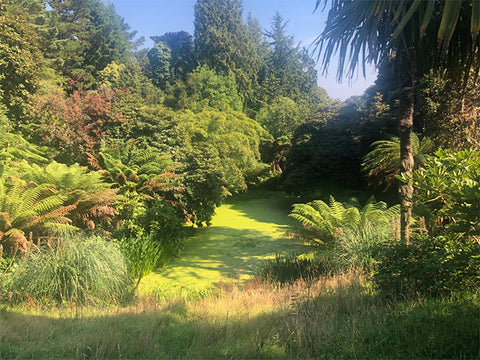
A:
<point x="347" y="230"/>
<point x="85" y="192"/>
<point x="26" y="208"/>
<point x="134" y="169"/>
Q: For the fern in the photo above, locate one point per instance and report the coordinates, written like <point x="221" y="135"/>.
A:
<point x="144" y="171"/>
<point x="26" y="208"/>
<point x="346" y="229"/>
<point x="83" y="191"/>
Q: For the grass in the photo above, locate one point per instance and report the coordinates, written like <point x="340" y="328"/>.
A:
<point x="242" y="236"/>
<point x="239" y="323"/>
<point x="333" y="318"/>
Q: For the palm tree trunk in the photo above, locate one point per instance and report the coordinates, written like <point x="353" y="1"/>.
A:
<point x="406" y="108"/>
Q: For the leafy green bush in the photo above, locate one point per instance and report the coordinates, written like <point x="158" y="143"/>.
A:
<point x="77" y="271"/>
<point x="288" y="268"/>
<point x="154" y="219"/>
<point x="448" y="192"/>
<point x="428" y="266"/>
<point x="448" y="259"/>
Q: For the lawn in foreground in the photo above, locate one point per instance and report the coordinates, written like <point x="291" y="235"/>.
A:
<point x="335" y="318"/>
<point x="242" y="235"/>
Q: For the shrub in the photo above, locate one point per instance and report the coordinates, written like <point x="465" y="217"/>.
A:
<point x="448" y="190"/>
<point x="75" y="271"/>
<point x="288" y="268"/>
<point x="429" y="266"/>
<point x="154" y="219"/>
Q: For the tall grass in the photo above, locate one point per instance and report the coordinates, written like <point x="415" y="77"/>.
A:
<point x="77" y="271"/>
<point x="332" y="318"/>
<point x="351" y="324"/>
<point x="286" y="269"/>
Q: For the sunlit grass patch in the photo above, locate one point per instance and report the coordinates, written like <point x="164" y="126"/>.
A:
<point x="242" y="236"/>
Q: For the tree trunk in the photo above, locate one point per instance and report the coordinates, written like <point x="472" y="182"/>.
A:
<point x="406" y="108"/>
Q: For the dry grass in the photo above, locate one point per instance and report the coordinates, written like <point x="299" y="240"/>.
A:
<point x="237" y="323"/>
<point x="336" y="317"/>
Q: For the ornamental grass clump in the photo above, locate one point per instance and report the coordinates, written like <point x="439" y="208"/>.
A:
<point x="80" y="271"/>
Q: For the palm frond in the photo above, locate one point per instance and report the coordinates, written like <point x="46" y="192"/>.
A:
<point x="383" y="162"/>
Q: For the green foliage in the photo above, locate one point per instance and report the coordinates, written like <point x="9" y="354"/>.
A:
<point x="429" y="266"/>
<point x="133" y="168"/>
<point x="89" y="36"/>
<point x="80" y="271"/>
<point x="219" y="31"/>
<point x="447" y="111"/>
<point x="333" y="140"/>
<point x="182" y="56"/>
<point x="159" y="58"/>
<point x="204" y="182"/>
<point x="289" y="70"/>
<point x="142" y="255"/>
<point x="231" y="139"/>
<point x="448" y="192"/>
<point x="287" y="269"/>
<point x="322" y="150"/>
<point x="7" y="264"/>
<point x="20" y="62"/>
<point x="205" y="89"/>
<point x="346" y="233"/>
<point x="281" y="118"/>
<point x="14" y="147"/>
<point x="351" y="29"/>
<point x="381" y="164"/>
<point x="26" y="208"/>
<point x="129" y="78"/>
<point x="150" y="210"/>
<point x="89" y="198"/>
<point x="447" y="260"/>
<point x="152" y="219"/>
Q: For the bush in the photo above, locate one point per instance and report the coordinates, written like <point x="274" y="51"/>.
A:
<point x="288" y="268"/>
<point x="430" y="266"/>
<point x="448" y="192"/>
<point x="151" y="219"/>
<point x="75" y="271"/>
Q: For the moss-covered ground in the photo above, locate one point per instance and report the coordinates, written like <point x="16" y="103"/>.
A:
<point x="241" y="236"/>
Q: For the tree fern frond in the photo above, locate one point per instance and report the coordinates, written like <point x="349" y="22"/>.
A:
<point x="47" y="204"/>
<point x="336" y="220"/>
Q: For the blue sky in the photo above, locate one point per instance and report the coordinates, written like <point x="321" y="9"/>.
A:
<point x="156" y="17"/>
